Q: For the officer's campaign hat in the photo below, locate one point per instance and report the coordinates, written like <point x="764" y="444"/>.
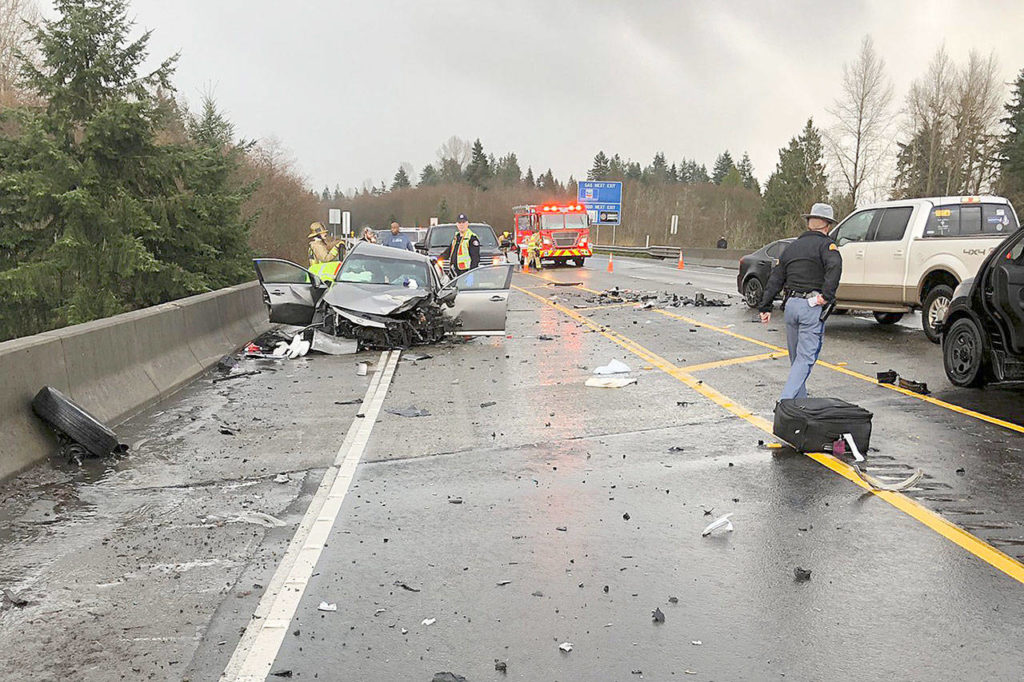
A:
<point x="823" y="211"/>
<point x="462" y="218"/>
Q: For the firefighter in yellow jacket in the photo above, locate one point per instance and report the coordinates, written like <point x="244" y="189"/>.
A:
<point x="533" y="247"/>
<point x="324" y="257"/>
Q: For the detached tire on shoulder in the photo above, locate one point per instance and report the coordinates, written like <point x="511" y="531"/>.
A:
<point x="933" y="311"/>
<point x="963" y="353"/>
<point x="888" y="318"/>
<point x="752" y="292"/>
<point x="68" y="419"/>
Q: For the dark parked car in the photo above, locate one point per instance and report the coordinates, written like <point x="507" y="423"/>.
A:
<point x="755" y="268"/>
<point x="983" y="331"/>
<point x="439" y="237"/>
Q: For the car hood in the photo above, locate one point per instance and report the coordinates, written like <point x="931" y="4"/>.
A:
<point x="373" y="299"/>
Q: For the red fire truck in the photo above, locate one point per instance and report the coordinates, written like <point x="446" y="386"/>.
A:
<point x="564" y="231"/>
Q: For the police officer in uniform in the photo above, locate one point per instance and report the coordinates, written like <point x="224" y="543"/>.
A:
<point x="808" y="271"/>
<point x="463" y="254"/>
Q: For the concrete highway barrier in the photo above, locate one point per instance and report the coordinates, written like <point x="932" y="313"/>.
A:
<point x="722" y="258"/>
<point x="120" y="365"/>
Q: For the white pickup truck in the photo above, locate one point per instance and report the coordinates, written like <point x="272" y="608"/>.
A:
<point x="910" y="254"/>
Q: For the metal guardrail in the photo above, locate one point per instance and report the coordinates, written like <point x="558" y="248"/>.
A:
<point x="723" y="258"/>
<point x="650" y="251"/>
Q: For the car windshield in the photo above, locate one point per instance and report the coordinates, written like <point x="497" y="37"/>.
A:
<point x="390" y="271"/>
<point x="442" y="235"/>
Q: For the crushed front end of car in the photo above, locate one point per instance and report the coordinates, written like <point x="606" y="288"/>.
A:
<point x="396" y="318"/>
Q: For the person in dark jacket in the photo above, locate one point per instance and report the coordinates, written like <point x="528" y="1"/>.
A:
<point x="723" y="243"/>
<point x="463" y="254"/>
<point x="809" y="271"/>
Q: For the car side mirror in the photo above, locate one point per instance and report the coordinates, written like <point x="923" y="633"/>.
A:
<point x="447" y="295"/>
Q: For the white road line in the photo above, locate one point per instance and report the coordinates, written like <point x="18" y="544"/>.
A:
<point x="256" y="651"/>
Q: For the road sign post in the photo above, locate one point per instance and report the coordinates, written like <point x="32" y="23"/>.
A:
<point x="334" y="220"/>
<point x="603" y="201"/>
<point x="346" y="223"/>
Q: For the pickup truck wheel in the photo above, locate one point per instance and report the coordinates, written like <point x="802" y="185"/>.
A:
<point x="752" y="292"/>
<point x="73" y="423"/>
<point x="933" y="312"/>
<point x="963" y="353"/>
<point x="888" y="318"/>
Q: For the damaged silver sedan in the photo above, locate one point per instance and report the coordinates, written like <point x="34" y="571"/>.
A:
<point x="386" y="298"/>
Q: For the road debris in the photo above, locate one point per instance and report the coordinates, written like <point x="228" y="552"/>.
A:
<point x="258" y="518"/>
<point x="888" y="377"/>
<point x="454" y="500"/>
<point x="237" y="375"/>
<point x="406" y="586"/>
<point x="502" y="583"/>
<point x="333" y="345"/>
<point x="677" y="448"/>
<point x="412" y="411"/>
<point x="448" y="677"/>
<point x="613" y="367"/>
<point x="657" y="616"/>
<point x="565" y="646"/>
<point x="876" y="484"/>
<point x="490" y="403"/>
<point x="282" y="478"/>
<point x="609" y="382"/>
<point x="673" y="600"/>
<point x="801" y="574"/>
<point x="361" y="369"/>
<point x="299" y="347"/>
<point x="353" y="401"/>
<point x="914" y="386"/>
<point x="722" y="522"/>
<point x="324" y="606"/>
<point x="696" y="642"/>
<point x="14" y="600"/>
<point x="428" y="621"/>
<point x="282" y="673"/>
<point x="500" y="666"/>
<point x="78" y="433"/>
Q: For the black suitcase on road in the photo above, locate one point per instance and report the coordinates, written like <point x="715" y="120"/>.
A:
<point x="813" y="424"/>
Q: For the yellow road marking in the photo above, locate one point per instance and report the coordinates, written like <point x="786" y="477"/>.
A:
<point x="842" y="369"/>
<point x="732" y="361"/>
<point x="912" y="508"/>
<point x="548" y="279"/>
<point x="602" y="307"/>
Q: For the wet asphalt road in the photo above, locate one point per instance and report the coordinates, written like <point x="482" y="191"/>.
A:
<point x="580" y="512"/>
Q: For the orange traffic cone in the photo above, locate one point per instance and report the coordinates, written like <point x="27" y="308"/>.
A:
<point x="610" y="266"/>
<point x="680" y="265"/>
<point x="526" y="266"/>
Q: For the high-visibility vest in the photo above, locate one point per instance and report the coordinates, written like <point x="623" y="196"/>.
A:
<point x="461" y="257"/>
<point x="327" y="270"/>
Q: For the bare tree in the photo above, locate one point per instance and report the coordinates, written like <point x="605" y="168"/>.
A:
<point x="858" y="142"/>
<point x="975" y="119"/>
<point x="454" y="151"/>
<point x="16" y="17"/>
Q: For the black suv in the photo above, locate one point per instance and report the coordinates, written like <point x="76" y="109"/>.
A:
<point x="983" y="332"/>
<point x="439" y="237"/>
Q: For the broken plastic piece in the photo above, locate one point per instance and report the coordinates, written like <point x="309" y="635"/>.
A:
<point x="801" y="574"/>
<point x="448" y="677"/>
<point x="848" y="437"/>
<point x="565" y="646"/>
<point x="281" y="478"/>
<point x="609" y="382"/>
<point x="890" y="487"/>
<point x="324" y="606"/>
<point x="333" y="345"/>
<point x="887" y="377"/>
<point x="722" y="522"/>
<point x="915" y="386"/>
<point x="428" y="621"/>
<point x="613" y="367"/>
<point x="412" y="411"/>
<point x="361" y="369"/>
<point x="405" y="586"/>
<point x="657" y="616"/>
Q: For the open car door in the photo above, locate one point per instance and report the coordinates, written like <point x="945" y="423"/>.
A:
<point x="290" y="291"/>
<point x="482" y="301"/>
<point x="1006" y="282"/>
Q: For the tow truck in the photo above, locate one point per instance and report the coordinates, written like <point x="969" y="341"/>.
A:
<point x="564" y="231"/>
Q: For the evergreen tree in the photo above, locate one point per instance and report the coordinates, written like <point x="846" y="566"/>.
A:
<point x="401" y="180"/>
<point x="338" y="194"/>
<point x="601" y="168"/>
<point x="692" y="173"/>
<point x="658" y="170"/>
<point x="529" y="177"/>
<point x="673" y="173"/>
<point x="325" y="195"/>
<point x="478" y="172"/>
<point x="443" y="214"/>
<point x="616" y="168"/>
<point x="733" y="178"/>
<point x="572" y="188"/>
<point x="98" y="214"/>
<point x="746" y="171"/>
<point x="798" y="181"/>
<point x="633" y="171"/>
<point x="429" y="176"/>
<point x="723" y="164"/>
<point x="508" y="171"/>
<point x="1011" y="149"/>
<point x="548" y="182"/>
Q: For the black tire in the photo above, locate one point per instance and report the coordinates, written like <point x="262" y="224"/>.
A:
<point x="963" y="353"/>
<point x="752" y="292"/>
<point x="70" y="420"/>
<point x="888" y="318"/>
<point x="933" y="311"/>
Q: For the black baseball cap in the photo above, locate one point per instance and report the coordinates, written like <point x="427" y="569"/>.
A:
<point x="462" y="218"/>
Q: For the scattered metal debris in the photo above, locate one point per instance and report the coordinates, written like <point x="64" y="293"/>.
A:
<point x="428" y="621"/>
<point x="657" y="616"/>
<point x="406" y="586"/>
<point x="324" y="606"/>
<point x="914" y="386"/>
<point x="801" y="574"/>
<point x="409" y="412"/>
<point x="500" y="666"/>
<point x="237" y="375"/>
<point x="565" y="646"/>
<point x="888" y="377"/>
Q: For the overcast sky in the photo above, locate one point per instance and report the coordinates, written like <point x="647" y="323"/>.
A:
<point x="353" y="89"/>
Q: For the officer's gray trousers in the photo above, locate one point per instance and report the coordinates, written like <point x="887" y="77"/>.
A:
<point x="804" y="334"/>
